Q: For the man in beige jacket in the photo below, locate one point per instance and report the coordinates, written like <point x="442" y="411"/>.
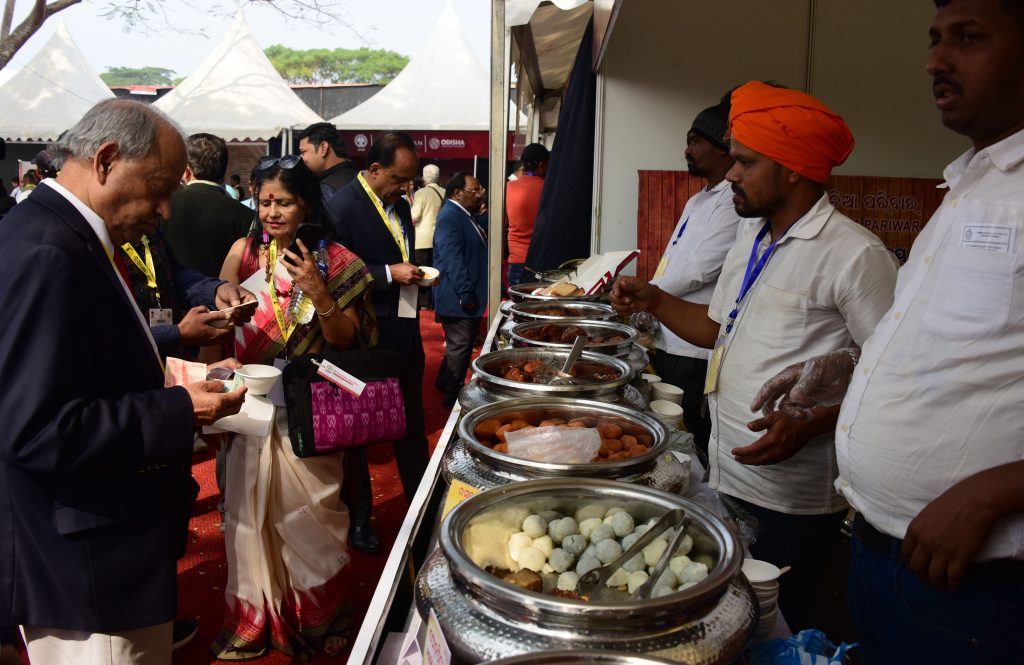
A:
<point x="425" y="203"/>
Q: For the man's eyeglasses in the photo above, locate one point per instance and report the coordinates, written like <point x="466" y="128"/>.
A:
<point x="287" y="162"/>
<point x="478" y="190"/>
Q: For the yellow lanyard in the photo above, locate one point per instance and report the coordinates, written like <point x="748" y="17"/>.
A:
<point x="399" y="236"/>
<point x="147" y="268"/>
<point x="286" y="330"/>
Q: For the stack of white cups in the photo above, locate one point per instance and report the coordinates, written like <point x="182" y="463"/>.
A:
<point x="667" y="412"/>
<point x="667" y="392"/>
<point x="764" y="578"/>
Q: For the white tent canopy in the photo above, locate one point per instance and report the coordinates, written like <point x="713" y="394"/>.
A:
<point x="444" y="87"/>
<point x="50" y="93"/>
<point x="236" y="93"/>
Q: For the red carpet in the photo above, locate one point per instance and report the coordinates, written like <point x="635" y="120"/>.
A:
<point x="202" y="573"/>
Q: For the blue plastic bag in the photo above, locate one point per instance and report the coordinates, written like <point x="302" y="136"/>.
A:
<point x="808" y="647"/>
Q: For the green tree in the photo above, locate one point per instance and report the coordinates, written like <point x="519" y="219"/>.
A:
<point x="341" y="65"/>
<point x="137" y="76"/>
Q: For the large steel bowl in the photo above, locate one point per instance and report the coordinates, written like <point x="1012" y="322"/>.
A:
<point x="486" y="618"/>
<point x="525" y="293"/>
<point x="580" y="658"/>
<point x="520" y="334"/>
<point x="487" y="370"/>
<point x="571" y="310"/>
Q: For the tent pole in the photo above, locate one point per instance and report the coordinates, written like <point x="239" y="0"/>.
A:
<point x="498" y="150"/>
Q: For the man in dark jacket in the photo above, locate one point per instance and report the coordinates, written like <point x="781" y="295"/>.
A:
<point x="322" y="148"/>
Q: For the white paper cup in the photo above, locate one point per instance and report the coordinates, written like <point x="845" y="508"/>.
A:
<point x="429" y="275"/>
<point x="667" y="392"/>
<point x="666" y="408"/>
<point x="758" y="571"/>
<point x="651" y="378"/>
<point x="259" y="379"/>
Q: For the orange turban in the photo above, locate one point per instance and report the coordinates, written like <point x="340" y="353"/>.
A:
<point x="791" y="128"/>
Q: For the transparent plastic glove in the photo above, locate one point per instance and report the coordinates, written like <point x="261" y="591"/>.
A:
<point x="645" y="322"/>
<point x="798" y="389"/>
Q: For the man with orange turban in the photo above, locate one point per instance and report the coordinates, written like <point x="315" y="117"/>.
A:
<point x="809" y="278"/>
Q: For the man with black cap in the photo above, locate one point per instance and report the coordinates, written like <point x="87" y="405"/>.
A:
<point x="693" y="258"/>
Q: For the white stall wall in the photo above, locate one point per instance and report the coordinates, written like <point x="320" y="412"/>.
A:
<point x="668" y="59"/>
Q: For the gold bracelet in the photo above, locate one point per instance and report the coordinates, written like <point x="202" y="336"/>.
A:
<point x="332" y="310"/>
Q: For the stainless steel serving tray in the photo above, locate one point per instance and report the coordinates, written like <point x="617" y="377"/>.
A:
<point x="524" y="293"/>
<point x="563" y="310"/>
<point x="486" y="618"/>
<point x="487" y="370"/>
<point x="519" y="334"/>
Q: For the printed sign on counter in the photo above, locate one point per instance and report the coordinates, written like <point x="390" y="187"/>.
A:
<point x="435" y="649"/>
<point x="457" y="493"/>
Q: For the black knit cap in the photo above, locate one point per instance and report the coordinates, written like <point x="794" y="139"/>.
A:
<point x="712" y="123"/>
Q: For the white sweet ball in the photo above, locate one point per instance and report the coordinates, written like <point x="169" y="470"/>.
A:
<point x="587" y="563"/>
<point x="636" y="579"/>
<point x="601" y="532"/>
<point x="654" y="551"/>
<point x="544" y="544"/>
<point x="608" y="550"/>
<point x="560" y="560"/>
<point x="559" y="529"/>
<point x="667" y="579"/>
<point x="629" y="539"/>
<point x="532" y="559"/>
<point x="588" y="525"/>
<point x="590" y="551"/>
<point x="574" y="544"/>
<point x="621" y="523"/>
<point x="642" y="529"/>
<point x="685" y="545"/>
<point x="568" y="580"/>
<point x="535" y="526"/>
<point x="516" y="543"/>
<point x="693" y="572"/>
<point x="677" y="563"/>
<point x="619" y="578"/>
<point x="613" y="510"/>
<point x="590" y="511"/>
<point x="660" y="591"/>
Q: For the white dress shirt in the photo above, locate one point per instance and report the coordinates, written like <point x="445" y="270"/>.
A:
<point x="694" y="259"/>
<point x="824" y="288"/>
<point x="937" y="395"/>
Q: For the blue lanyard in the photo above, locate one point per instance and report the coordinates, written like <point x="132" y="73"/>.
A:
<point x="754" y="268"/>
<point x="681" y="229"/>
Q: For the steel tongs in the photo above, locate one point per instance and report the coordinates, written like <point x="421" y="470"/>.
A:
<point x="593" y="582"/>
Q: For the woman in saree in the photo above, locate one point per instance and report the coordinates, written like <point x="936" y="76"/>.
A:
<point x="286" y="529"/>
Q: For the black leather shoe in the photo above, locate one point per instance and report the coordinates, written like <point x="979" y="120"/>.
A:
<point x="362" y="538"/>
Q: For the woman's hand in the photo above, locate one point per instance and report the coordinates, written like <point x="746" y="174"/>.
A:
<point x="304" y="272"/>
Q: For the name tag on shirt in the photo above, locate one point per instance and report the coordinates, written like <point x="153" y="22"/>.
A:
<point x="714" y="366"/>
<point x="661" y="267"/>
<point x="160" y="316"/>
<point x="989" y="237"/>
<point x="408" y="300"/>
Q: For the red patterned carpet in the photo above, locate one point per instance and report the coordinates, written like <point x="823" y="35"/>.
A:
<point x="202" y="573"/>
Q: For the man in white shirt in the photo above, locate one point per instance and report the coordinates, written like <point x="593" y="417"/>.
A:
<point x="690" y="265"/>
<point x="426" y="203"/>
<point x="929" y="441"/>
<point x="811" y="278"/>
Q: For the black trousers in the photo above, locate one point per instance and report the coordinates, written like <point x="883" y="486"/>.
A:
<point x="688" y="374"/>
<point x="425" y="257"/>
<point x="459" y="337"/>
<point x="803" y="542"/>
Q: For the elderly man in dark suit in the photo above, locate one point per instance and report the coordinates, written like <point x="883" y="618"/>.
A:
<point x="460" y="298"/>
<point x="372" y="219"/>
<point x="94" y="452"/>
<point x="205" y="221"/>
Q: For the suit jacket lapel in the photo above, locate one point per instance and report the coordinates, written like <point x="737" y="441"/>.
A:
<point x="67" y="214"/>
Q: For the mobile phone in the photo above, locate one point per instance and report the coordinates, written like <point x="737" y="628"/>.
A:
<point x="310" y="235"/>
<point x="220" y="374"/>
<point x="244" y="305"/>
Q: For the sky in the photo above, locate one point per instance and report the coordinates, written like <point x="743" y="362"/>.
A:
<point x="396" y="25"/>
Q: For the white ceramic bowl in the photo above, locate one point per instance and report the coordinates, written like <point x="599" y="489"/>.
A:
<point x="758" y="571"/>
<point x="667" y="392"/>
<point x="429" y="275"/>
<point x="259" y="379"/>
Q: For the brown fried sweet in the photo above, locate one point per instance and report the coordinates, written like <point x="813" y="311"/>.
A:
<point x="609" y="430"/>
<point x="485" y="429"/>
<point x="501" y="431"/>
<point x="570" y="334"/>
<point x="613" y="448"/>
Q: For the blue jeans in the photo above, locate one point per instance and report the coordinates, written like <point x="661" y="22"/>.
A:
<point x="515" y="273"/>
<point x="901" y="619"/>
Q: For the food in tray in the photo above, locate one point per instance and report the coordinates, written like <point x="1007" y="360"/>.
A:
<point x="535" y="370"/>
<point x="620" y="439"/>
<point x="558" y="310"/>
<point x="561" y="289"/>
<point x="567" y="335"/>
<point x="552" y="551"/>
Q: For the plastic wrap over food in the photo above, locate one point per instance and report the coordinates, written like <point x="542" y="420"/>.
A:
<point x="556" y="445"/>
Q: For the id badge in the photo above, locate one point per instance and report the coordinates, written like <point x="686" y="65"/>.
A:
<point x="661" y="267"/>
<point x="160" y="316"/>
<point x="408" y="297"/>
<point x="715" y="366"/>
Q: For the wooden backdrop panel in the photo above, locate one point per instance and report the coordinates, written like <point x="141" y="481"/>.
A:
<point x="895" y="209"/>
